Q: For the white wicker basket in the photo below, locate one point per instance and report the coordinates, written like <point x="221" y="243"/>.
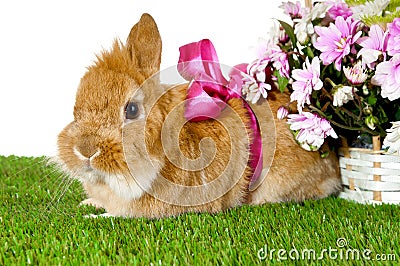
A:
<point x="369" y="176"/>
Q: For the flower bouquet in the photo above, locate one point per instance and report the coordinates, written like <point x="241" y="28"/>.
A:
<point x="340" y="62"/>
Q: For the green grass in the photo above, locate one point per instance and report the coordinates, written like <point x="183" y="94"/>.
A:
<point x="40" y="223"/>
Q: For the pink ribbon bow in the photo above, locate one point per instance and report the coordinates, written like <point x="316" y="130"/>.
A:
<point x="209" y="91"/>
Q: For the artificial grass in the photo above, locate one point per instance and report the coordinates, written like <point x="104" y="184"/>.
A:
<point x="41" y="223"/>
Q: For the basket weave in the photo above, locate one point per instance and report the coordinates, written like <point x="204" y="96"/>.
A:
<point x="369" y="175"/>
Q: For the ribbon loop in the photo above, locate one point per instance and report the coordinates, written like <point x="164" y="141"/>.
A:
<point x="199" y="57"/>
<point x="209" y="91"/>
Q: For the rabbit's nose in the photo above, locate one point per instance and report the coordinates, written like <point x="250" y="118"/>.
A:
<point x="87" y="147"/>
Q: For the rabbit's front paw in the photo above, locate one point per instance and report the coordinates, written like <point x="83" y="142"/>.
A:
<point x="105" y="215"/>
<point x="91" y="202"/>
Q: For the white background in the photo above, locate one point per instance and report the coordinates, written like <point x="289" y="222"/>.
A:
<point x="45" y="47"/>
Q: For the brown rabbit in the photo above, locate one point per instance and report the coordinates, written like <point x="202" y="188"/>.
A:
<point x="136" y="155"/>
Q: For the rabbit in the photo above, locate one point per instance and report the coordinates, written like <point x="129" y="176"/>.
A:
<point x="137" y="156"/>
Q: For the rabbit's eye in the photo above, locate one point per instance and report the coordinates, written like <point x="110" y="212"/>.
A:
<point x="131" y="110"/>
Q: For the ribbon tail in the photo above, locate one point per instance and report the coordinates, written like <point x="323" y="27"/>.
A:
<point x="256" y="159"/>
<point x="236" y="78"/>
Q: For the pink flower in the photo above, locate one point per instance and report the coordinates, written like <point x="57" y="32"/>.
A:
<point x="342" y="95"/>
<point x="257" y="80"/>
<point x="355" y="74"/>
<point x="276" y="34"/>
<point x="280" y="61"/>
<point x="307" y="80"/>
<point x="387" y="75"/>
<point x="338" y="9"/>
<point x="282" y="113"/>
<point x="304" y="28"/>
<point x="335" y="41"/>
<point x="271" y="52"/>
<point x="310" y="130"/>
<point x="291" y="9"/>
<point x="374" y="45"/>
<point x="394" y="37"/>
<point x="262" y="49"/>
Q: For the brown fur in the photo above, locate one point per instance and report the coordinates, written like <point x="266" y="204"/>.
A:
<point x="137" y="170"/>
<point x="295" y="174"/>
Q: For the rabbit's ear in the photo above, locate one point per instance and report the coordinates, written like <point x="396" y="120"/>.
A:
<point x="144" y="43"/>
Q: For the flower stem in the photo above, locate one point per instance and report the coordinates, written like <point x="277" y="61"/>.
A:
<point x="323" y="109"/>
<point x="327" y="94"/>
<point x="315" y="109"/>
<point x="331" y="82"/>
<point x="358" y="103"/>
<point x="361" y="128"/>
<point x="344" y="126"/>
<point x="349" y="113"/>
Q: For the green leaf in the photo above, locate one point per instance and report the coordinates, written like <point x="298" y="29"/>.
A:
<point x="289" y="31"/>
<point x="294" y="63"/>
<point x="324" y="154"/>
<point x="317" y="103"/>
<point x="308" y="52"/>
<point x="286" y="48"/>
<point x="372" y="100"/>
<point x="282" y="81"/>
<point x="383" y="118"/>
